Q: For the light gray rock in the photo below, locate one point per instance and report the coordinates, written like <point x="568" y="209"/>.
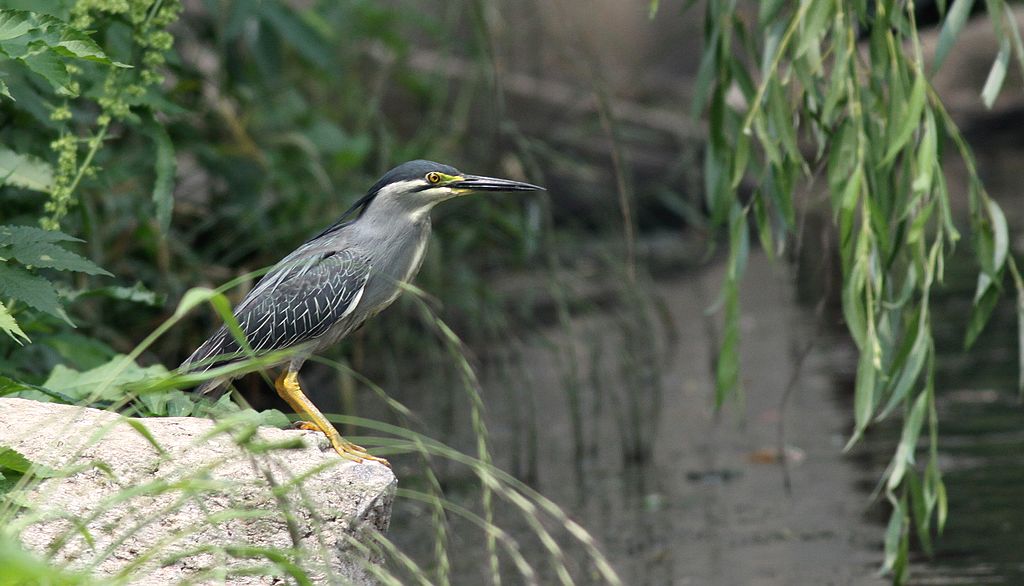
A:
<point x="117" y="506"/>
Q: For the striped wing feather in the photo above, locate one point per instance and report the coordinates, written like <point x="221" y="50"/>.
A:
<point x="297" y="301"/>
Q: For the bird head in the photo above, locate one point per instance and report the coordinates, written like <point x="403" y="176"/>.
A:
<point x="419" y="185"/>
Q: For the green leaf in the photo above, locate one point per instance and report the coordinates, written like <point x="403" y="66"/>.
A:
<point x="11" y="234"/>
<point x="893" y="535"/>
<point x="9" y="386"/>
<point x="192" y="298"/>
<point x="75" y="43"/>
<point x="911" y="369"/>
<point x="165" y="167"/>
<point x="854" y="311"/>
<point x="764" y="226"/>
<point x="996" y="75"/>
<point x="11" y="459"/>
<point x="24" y="171"/>
<point x="951" y="27"/>
<point x="908" y="441"/>
<point x="105" y="382"/>
<point x="148" y="435"/>
<point x="273" y="418"/>
<point x="14" y="23"/>
<point x="46" y="63"/>
<point x="1000" y="234"/>
<point x="10" y="326"/>
<point x="921" y="512"/>
<point x="768" y="10"/>
<point x="5" y="91"/>
<point x="703" y="86"/>
<point x="986" y="297"/>
<point x="1010" y="18"/>
<point x="24" y="32"/>
<point x="911" y="118"/>
<point x="863" y="396"/>
<point x="51" y="256"/>
<point x="727" y="365"/>
<point x="927" y="156"/>
<point x="34" y="290"/>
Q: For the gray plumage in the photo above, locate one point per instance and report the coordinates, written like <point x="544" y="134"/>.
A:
<point x="296" y="302"/>
<point x="344" y="275"/>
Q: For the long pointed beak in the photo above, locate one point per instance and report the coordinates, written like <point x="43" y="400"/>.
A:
<point x="470" y="183"/>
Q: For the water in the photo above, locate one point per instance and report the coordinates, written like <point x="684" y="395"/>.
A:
<point x="676" y="494"/>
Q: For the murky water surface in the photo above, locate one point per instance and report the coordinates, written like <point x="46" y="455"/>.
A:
<point x="676" y="494"/>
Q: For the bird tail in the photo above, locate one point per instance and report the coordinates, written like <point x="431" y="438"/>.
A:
<point x="204" y="358"/>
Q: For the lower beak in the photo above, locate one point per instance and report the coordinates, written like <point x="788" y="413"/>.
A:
<point x="471" y="183"/>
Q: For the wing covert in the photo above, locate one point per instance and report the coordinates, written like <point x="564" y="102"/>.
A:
<point x="301" y="299"/>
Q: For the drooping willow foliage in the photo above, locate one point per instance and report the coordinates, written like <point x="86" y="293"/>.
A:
<point x="842" y="89"/>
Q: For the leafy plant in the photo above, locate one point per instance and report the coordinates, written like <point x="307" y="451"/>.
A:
<point x="47" y="46"/>
<point x="34" y="248"/>
<point x="817" y="99"/>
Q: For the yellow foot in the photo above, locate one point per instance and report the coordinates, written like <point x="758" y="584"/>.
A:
<point x="351" y="451"/>
<point x="288" y="388"/>
<point x="345" y="448"/>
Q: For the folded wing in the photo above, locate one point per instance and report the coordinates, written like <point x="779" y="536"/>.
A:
<point x="299" y="300"/>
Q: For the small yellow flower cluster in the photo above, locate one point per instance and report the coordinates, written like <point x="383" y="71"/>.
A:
<point x="60" y="201"/>
<point x="122" y="88"/>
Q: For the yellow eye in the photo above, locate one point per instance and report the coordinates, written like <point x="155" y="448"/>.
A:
<point x="433" y="178"/>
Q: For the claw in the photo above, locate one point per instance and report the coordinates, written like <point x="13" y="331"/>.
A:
<point x="351" y="451"/>
<point x="288" y="388"/>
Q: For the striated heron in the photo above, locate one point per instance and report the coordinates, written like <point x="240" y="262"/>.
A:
<point x="338" y="279"/>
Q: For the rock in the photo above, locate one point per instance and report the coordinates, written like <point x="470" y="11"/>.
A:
<point x="114" y="505"/>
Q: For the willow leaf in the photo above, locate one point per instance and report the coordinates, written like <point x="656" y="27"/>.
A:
<point x="996" y="75"/>
<point x="910" y="121"/>
<point x="951" y="27"/>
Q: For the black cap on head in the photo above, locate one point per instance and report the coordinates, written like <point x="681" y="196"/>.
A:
<point x="405" y="172"/>
<point x="411" y="170"/>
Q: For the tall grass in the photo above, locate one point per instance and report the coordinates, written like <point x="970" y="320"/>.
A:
<point x="550" y="528"/>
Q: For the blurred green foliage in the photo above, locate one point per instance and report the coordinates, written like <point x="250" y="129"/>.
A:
<point x="191" y="146"/>
<point x="149" y="146"/>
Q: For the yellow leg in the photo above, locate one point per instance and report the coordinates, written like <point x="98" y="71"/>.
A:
<point x="288" y="388"/>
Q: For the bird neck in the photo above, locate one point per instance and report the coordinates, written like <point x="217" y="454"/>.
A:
<point x="388" y="209"/>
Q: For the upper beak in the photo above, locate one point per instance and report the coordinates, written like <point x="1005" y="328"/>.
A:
<point x="470" y="183"/>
